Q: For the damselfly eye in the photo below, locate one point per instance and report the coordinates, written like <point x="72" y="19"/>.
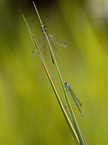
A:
<point x="65" y="82"/>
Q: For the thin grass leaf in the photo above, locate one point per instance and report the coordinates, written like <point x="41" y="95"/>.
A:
<point x="76" y="124"/>
<point x="58" y="96"/>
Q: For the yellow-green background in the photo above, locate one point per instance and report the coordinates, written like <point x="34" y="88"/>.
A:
<point x="29" y="111"/>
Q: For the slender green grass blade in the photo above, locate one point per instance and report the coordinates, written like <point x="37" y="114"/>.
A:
<point x="76" y="124"/>
<point x="58" y="96"/>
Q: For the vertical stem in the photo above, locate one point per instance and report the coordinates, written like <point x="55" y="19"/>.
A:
<point x="76" y="124"/>
<point x="56" y="91"/>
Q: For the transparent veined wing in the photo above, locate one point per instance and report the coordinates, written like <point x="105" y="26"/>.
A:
<point x="52" y="45"/>
<point x="51" y="57"/>
<point x="45" y="47"/>
<point x="58" y="42"/>
<point x="34" y="52"/>
<point x="50" y="51"/>
<point x="76" y="99"/>
<point x="77" y="102"/>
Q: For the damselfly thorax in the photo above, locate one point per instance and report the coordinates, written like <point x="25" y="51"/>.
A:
<point x="44" y="27"/>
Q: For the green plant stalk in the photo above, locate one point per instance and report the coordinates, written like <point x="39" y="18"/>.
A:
<point x="58" y="96"/>
<point x="76" y="124"/>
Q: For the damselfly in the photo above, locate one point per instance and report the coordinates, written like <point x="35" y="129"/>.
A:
<point x="77" y="102"/>
<point x="55" y="40"/>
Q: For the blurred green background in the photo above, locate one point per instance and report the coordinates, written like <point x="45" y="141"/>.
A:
<point x="29" y="111"/>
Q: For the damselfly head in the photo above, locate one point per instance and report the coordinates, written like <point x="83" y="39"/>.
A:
<point x="65" y="82"/>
